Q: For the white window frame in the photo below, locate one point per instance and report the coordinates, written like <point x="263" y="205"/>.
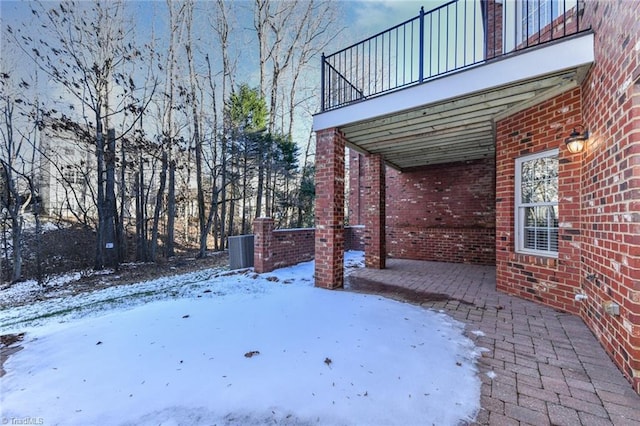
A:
<point x="520" y="206"/>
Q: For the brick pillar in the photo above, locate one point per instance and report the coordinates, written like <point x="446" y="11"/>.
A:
<point x="329" y="240"/>
<point x="374" y="215"/>
<point x="263" y="236"/>
<point x="356" y="189"/>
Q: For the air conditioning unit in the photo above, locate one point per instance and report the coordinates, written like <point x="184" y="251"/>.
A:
<point x="240" y="251"/>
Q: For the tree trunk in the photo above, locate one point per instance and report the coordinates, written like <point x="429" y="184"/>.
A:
<point x="140" y="255"/>
<point x="232" y="207"/>
<point x="245" y="174"/>
<point x="109" y="209"/>
<point x="202" y="225"/>
<point x="38" y="236"/>
<point x="260" y="23"/>
<point x="212" y="220"/>
<point x="120" y="233"/>
<point x="142" y="245"/>
<point x="260" y="190"/>
<point x="5" y="270"/>
<point x="223" y="191"/>
<point x="100" y="199"/>
<point x="171" y="210"/>
<point x="267" y="194"/>
<point x="16" y="241"/>
<point x="158" y="208"/>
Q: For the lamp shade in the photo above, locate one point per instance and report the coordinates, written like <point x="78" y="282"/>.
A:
<point x="576" y="141"/>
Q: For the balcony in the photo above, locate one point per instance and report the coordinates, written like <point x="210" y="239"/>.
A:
<point x="429" y="90"/>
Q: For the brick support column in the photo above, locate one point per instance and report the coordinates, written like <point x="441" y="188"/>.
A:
<point x="329" y="240"/>
<point x="263" y="237"/>
<point x="374" y="215"/>
<point x="356" y="189"/>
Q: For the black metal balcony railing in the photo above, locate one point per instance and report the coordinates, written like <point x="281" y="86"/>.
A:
<point x="449" y="38"/>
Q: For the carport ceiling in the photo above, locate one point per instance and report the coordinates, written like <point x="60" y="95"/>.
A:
<point x="457" y="129"/>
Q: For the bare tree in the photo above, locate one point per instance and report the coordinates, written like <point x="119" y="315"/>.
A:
<point x="221" y="24"/>
<point x="12" y="162"/>
<point x="169" y="133"/>
<point x="194" y="100"/>
<point x="289" y="35"/>
<point x="20" y="126"/>
<point x="169" y="126"/>
<point x="215" y="171"/>
<point x="84" y="51"/>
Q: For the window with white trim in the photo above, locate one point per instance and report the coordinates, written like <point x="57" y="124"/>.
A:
<point x="536" y="203"/>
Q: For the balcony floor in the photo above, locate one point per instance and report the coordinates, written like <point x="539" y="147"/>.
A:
<point x="549" y="368"/>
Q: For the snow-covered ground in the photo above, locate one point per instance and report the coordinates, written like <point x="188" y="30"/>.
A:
<point x="214" y="347"/>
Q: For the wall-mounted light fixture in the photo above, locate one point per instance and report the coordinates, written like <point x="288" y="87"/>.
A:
<point x="576" y="140"/>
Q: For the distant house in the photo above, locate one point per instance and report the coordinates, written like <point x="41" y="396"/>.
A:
<point x="68" y="182"/>
<point x="504" y="133"/>
<point x="67" y="177"/>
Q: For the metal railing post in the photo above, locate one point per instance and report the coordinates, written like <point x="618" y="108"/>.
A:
<point x="421" y="55"/>
<point x="322" y="94"/>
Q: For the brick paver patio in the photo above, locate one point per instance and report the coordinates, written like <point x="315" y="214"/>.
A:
<point x="542" y="367"/>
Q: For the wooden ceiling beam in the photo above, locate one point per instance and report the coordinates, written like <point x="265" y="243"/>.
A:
<point x="424" y="128"/>
<point x="462" y="129"/>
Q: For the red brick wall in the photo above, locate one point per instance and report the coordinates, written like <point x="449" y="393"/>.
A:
<point x="452" y="195"/>
<point x="611" y="182"/>
<point x="279" y="248"/>
<point x="443" y="212"/>
<point x="543" y="127"/>
<point x="354" y="237"/>
<point x="457" y="245"/>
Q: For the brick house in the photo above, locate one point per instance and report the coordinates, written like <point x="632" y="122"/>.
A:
<point x="457" y="125"/>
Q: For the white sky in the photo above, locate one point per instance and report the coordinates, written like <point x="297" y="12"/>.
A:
<point x="172" y="351"/>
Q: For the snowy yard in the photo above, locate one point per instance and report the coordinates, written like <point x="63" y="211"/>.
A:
<point x="214" y="347"/>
